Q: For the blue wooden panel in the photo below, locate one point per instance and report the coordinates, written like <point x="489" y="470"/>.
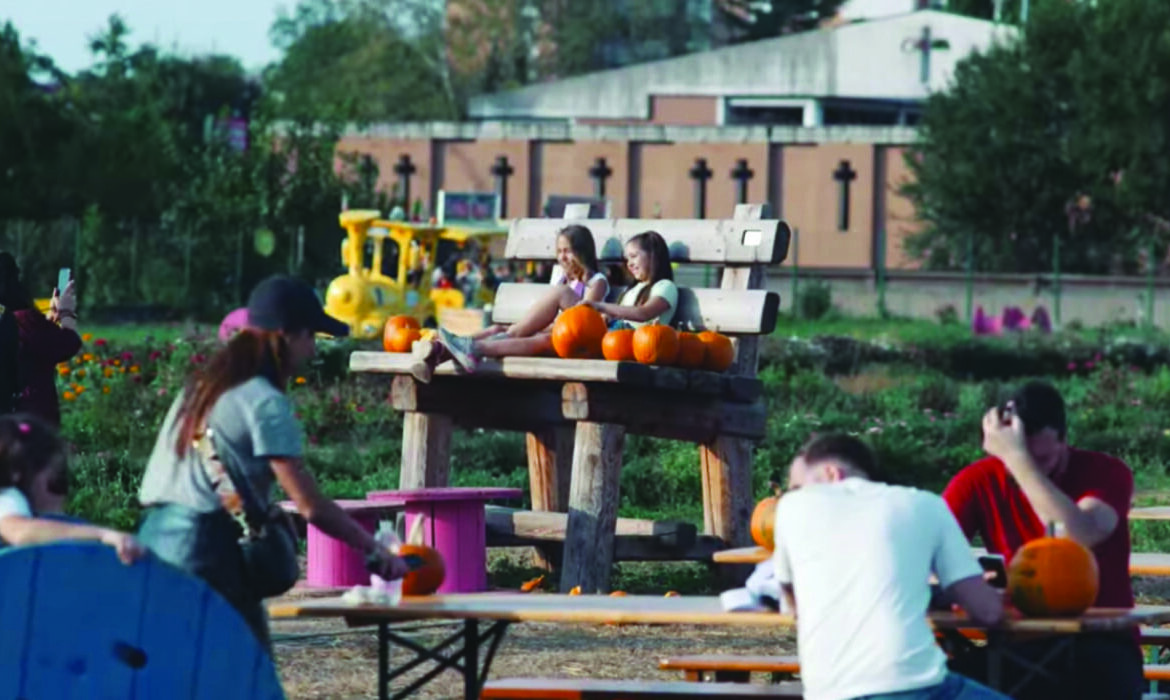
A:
<point x="86" y="626"/>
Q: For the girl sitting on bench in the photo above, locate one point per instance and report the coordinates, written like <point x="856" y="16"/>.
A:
<point x="653" y="299"/>
<point x="33" y="482"/>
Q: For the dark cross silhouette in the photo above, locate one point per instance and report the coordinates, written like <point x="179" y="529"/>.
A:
<point x="600" y="172"/>
<point x="502" y="171"/>
<point x="701" y="174"/>
<point x="369" y="175"/>
<point x="843" y="175"/>
<point x="404" y="169"/>
<point x="926" y="44"/>
<point x="741" y="174"/>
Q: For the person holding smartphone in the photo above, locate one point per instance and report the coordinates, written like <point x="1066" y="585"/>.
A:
<point x="33" y="344"/>
<point x="1030" y="478"/>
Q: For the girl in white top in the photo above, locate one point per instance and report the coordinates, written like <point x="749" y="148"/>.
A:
<point x="531" y="335"/>
<point x="33" y="480"/>
<point x="654" y="299"/>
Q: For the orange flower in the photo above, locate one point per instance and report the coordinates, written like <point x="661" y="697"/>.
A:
<point x="80" y="374"/>
<point x="117" y="363"/>
<point x="77" y="360"/>
<point x="105" y="389"/>
<point x="300" y="380"/>
<point x="86" y="337"/>
<point x="63" y="370"/>
<point x="88" y="357"/>
<point x="133" y="369"/>
<point x="69" y="396"/>
<point x="108" y="372"/>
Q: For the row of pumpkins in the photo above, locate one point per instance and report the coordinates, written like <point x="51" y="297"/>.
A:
<point x="581" y="333"/>
<point x="1048" y="577"/>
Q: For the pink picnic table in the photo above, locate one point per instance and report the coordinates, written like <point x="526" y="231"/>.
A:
<point x="453" y="523"/>
<point x="331" y="563"/>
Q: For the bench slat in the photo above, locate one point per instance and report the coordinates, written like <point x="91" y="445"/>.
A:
<point x="1157" y="672"/>
<point x="714" y="241"/>
<point x="730" y="311"/>
<point x="730" y="662"/>
<point x="597" y="689"/>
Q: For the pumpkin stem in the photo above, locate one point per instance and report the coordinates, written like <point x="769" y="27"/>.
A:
<point x="775" y="488"/>
<point x="416" y="531"/>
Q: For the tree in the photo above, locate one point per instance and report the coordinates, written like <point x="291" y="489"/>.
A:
<point x="752" y="20"/>
<point x="1060" y="134"/>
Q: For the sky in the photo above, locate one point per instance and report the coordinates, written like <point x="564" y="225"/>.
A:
<point x="62" y="28"/>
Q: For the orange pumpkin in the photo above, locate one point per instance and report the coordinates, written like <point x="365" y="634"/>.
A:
<point x="618" y="345"/>
<point x="691" y="351"/>
<point x="655" y="344"/>
<point x="426" y="579"/>
<point x="720" y="353"/>
<point x="403" y="321"/>
<point x="764" y="519"/>
<point x="1053" y="577"/>
<point x="399" y="339"/>
<point x="577" y="333"/>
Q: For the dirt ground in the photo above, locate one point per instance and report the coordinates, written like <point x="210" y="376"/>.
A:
<point x="325" y="660"/>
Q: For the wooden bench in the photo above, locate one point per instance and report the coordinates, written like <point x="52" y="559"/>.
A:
<point x="598" y="689"/>
<point x="576" y="413"/>
<point x="730" y="668"/>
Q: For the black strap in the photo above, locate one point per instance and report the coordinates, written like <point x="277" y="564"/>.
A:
<point x="233" y="488"/>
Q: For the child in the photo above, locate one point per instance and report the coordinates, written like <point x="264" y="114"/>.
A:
<point x="532" y="335"/>
<point x="33" y="478"/>
<point x="653" y="299"/>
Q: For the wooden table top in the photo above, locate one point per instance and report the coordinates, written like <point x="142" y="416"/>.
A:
<point x="1140" y="563"/>
<point x="444" y="493"/>
<point x="1150" y="513"/>
<point x="647" y="610"/>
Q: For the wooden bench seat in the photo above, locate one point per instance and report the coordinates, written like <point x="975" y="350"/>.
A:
<point x="599" y="689"/>
<point x="728" y="667"/>
<point x="1157" y="672"/>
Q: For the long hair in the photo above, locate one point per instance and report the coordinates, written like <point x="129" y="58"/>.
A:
<point x="581" y="243"/>
<point x="28" y="445"/>
<point x="654" y="246"/>
<point x="250" y="353"/>
<point x="13" y="297"/>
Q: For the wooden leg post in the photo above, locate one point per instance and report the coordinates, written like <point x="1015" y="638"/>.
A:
<point x="426" y="451"/>
<point x="593" y="501"/>
<point x="550" y="467"/>
<point x="727" y="494"/>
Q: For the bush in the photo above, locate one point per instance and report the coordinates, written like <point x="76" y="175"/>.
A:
<point x="814" y="299"/>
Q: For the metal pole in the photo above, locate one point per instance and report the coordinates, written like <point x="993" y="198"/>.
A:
<point x="795" y="267"/>
<point x="970" y="277"/>
<point x="1151" y="267"/>
<point x="1056" y="280"/>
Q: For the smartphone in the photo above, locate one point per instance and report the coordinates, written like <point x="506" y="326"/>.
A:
<point x="63" y="279"/>
<point x="995" y="564"/>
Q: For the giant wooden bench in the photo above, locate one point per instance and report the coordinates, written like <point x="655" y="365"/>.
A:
<point x="577" y="412"/>
<point x="599" y="689"/>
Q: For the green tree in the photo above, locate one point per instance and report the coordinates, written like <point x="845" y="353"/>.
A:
<point x="1059" y="134"/>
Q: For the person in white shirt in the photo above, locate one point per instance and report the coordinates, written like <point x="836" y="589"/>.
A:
<point x="854" y="558"/>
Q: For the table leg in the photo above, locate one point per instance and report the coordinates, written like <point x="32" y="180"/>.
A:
<point x="383" y="661"/>
<point x="471" y="659"/>
<point x="465" y="660"/>
<point x="995" y="660"/>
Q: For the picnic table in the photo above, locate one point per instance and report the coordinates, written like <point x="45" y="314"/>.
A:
<point x="1140" y="563"/>
<point x="498" y="610"/>
<point x="1150" y="513"/>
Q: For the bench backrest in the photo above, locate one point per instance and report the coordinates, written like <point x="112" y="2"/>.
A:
<point x="732" y="242"/>
<point x="732" y="312"/>
<point x="77" y="623"/>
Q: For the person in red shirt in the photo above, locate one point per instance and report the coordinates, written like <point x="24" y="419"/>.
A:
<point x="1033" y="478"/>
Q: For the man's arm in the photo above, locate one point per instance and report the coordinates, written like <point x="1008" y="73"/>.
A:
<point x="959" y="575"/>
<point x="983" y="603"/>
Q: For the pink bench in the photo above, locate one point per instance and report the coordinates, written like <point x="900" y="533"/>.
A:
<point x="454" y="525"/>
<point x="332" y="563"/>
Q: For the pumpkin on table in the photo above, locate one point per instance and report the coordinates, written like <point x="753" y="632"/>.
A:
<point x="577" y="333"/>
<point x="719" y="351"/>
<point x="399" y="333"/>
<point x="1053" y="577"/>
<point x="618" y="345"/>
<point x="655" y="344"/>
<point x="763" y="522"/>
<point x="426" y="579"/>
<point x="691" y="351"/>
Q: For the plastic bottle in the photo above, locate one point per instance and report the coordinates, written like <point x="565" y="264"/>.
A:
<point x="388" y="538"/>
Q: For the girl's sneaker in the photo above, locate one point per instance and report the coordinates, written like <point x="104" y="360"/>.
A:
<point x="460" y="349"/>
<point x="427" y="355"/>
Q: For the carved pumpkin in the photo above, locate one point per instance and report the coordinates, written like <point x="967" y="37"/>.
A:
<point x="426" y="579"/>
<point x="618" y="345"/>
<point x="720" y="353"/>
<point x="1053" y="577"/>
<point x="402" y="321"/>
<point x="655" y="344"/>
<point x="577" y="333"/>
<point x="399" y="339"/>
<point x="764" y="519"/>
<point x="390" y="336"/>
<point x="691" y="351"/>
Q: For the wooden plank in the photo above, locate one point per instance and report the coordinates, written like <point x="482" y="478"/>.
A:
<point x="730" y="311"/>
<point x="641" y="548"/>
<point x="682" y="416"/>
<point x="593" y="501"/>
<point x="1150" y="513"/>
<point x="426" y="451"/>
<point x="602" y="689"/>
<point x="536" y="368"/>
<point x="731" y="662"/>
<point x="531" y="524"/>
<point x="488" y="403"/>
<point x="714" y="241"/>
<point x="550" y="470"/>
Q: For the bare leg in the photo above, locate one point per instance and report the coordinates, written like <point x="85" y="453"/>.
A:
<point x="544" y="312"/>
<point x="489" y="331"/>
<point x="514" y="347"/>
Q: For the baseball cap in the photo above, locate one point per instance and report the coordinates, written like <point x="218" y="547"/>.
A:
<point x="282" y="303"/>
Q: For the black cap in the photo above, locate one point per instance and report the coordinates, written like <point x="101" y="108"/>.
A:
<point x="282" y="303"/>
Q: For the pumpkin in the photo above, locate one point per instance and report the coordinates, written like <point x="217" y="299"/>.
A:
<point x="403" y="321"/>
<point x="691" y="351"/>
<point x="618" y="345"/>
<point x="399" y="339"/>
<point x="577" y="333"/>
<point x="1053" y="577"/>
<point x="764" y="519"/>
<point x="426" y="579"/>
<point x="655" y="344"/>
<point x="720" y="353"/>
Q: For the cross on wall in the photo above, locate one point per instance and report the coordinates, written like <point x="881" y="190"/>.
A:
<point x="404" y="169"/>
<point x="502" y="170"/>
<point x="700" y="173"/>
<point x="844" y="175"/>
<point x="600" y="172"/>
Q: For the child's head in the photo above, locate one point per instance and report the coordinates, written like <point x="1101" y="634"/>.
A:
<point x="32" y="460"/>
<point x="648" y="258"/>
<point x="576" y="252"/>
